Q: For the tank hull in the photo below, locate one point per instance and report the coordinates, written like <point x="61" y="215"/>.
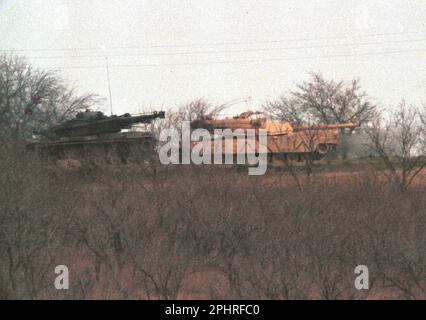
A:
<point x="122" y="148"/>
<point x="308" y="143"/>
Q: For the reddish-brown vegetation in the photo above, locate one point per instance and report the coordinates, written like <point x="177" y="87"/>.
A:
<point x="208" y="232"/>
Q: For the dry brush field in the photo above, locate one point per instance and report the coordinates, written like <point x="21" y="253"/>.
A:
<point x="208" y="232"/>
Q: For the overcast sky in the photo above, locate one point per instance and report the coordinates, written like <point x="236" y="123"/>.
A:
<point x="164" y="53"/>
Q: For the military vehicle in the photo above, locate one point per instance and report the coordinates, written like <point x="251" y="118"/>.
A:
<point x="92" y="137"/>
<point x="284" y="140"/>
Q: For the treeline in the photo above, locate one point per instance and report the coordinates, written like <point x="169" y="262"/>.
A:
<point x="32" y="99"/>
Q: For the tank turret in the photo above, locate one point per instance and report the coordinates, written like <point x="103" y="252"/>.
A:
<point x="90" y="123"/>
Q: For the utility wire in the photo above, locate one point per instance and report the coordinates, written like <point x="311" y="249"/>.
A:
<point x="245" y="61"/>
<point x="212" y="44"/>
<point x="231" y="51"/>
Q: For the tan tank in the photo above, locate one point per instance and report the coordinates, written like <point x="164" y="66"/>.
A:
<point x="283" y="139"/>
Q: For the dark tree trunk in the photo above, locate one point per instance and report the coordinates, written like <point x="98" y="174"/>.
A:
<point x="343" y="145"/>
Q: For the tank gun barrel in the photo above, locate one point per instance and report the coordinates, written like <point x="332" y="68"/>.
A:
<point x="88" y="123"/>
<point x="325" y="126"/>
<point x="233" y="124"/>
<point x="252" y="124"/>
<point x="146" y="118"/>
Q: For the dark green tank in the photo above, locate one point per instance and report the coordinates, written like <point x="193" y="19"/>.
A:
<point x="92" y="137"/>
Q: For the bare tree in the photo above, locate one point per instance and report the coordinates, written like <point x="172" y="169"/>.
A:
<point x="325" y="101"/>
<point x="334" y="102"/>
<point x="32" y="99"/>
<point x="195" y="110"/>
<point x="400" y="144"/>
<point x="286" y="109"/>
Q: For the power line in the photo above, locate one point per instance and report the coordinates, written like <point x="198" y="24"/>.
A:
<point x="246" y="60"/>
<point x="213" y="43"/>
<point x="231" y="51"/>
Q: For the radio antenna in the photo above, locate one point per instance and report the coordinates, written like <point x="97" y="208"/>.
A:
<point x="109" y="84"/>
